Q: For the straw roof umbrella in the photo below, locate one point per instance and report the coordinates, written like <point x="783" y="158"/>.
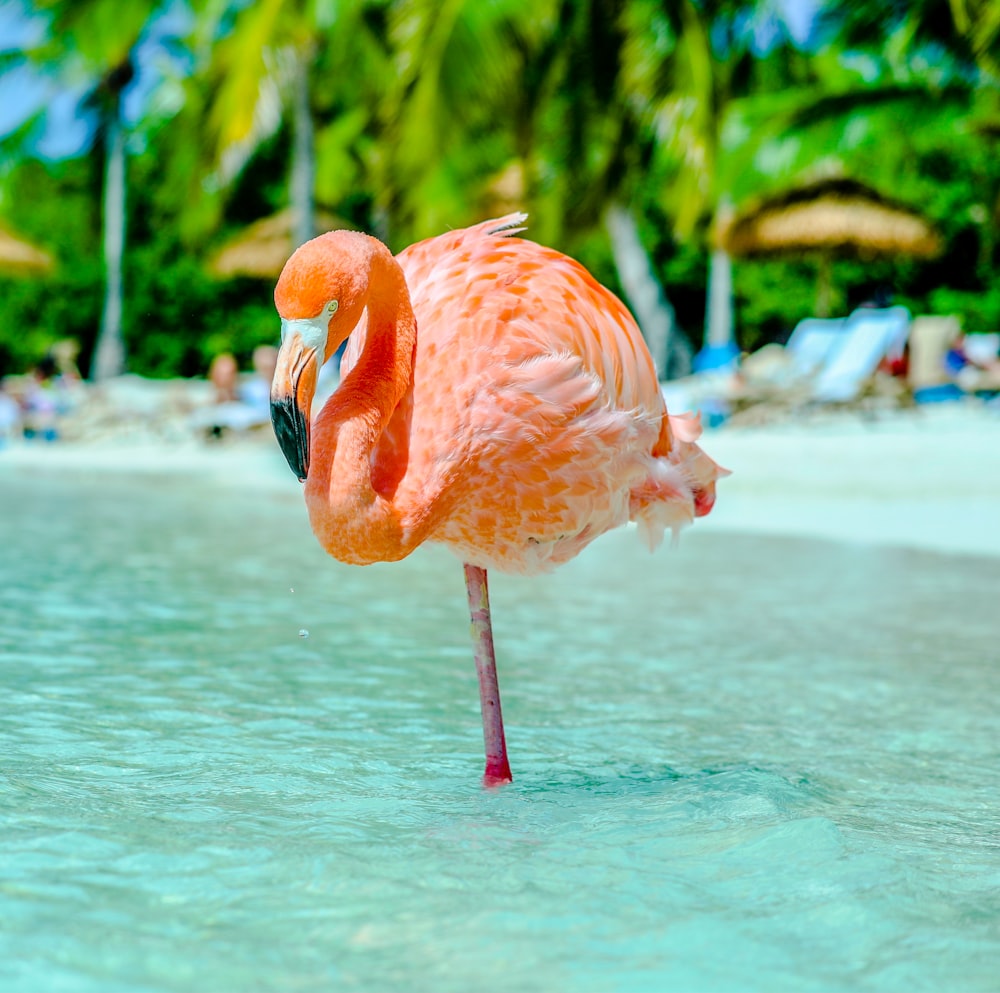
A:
<point x="829" y="218"/>
<point x="20" y="258"/>
<point x="262" y="248"/>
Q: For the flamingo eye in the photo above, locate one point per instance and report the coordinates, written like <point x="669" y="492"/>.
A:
<point x="331" y="308"/>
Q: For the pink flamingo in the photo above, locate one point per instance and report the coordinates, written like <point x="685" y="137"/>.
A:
<point x="494" y="397"/>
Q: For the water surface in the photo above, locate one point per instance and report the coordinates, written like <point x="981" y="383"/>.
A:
<point x="744" y="764"/>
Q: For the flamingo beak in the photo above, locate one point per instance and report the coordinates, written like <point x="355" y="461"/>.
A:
<point x="292" y="391"/>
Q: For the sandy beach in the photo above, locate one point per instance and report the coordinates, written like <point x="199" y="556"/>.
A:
<point x="927" y="478"/>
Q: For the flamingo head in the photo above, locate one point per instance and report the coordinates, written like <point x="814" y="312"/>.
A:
<point x="321" y="294"/>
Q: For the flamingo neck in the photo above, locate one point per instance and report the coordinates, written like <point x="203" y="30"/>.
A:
<point x="353" y="522"/>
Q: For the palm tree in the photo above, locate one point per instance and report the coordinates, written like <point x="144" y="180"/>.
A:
<point x="946" y="50"/>
<point x="899" y="90"/>
<point x="533" y="89"/>
<point x="686" y="65"/>
<point x="93" y="43"/>
<point x="277" y="60"/>
<point x="606" y="102"/>
<point x="451" y="109"/>
<point x="448" y="94"/>
<point x="109" y="353"/>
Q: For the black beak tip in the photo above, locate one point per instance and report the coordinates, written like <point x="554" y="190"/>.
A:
<point x="292" y="432"/>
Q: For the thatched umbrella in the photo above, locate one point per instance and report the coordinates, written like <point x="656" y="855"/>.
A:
<point x="20" y="258"/>
<point x="828" y="219"/>
<point x="262" y="248"/>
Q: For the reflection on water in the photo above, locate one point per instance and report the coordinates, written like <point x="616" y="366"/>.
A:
<point x="744" y="764"/>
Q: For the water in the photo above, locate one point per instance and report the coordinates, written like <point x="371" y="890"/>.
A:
<point x="747" y="764"/>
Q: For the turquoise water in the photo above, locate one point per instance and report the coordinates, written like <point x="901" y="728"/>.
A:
<point x="745" y="764"/>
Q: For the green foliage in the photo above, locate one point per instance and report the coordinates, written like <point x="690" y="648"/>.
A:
<point x="672" y="108"/>
<point x="771" y="298"/>
<point x="36" y="313"/>
<point x="177" y="317"/>
<point x="57" y="207"/>
<point x="978" y="311"/>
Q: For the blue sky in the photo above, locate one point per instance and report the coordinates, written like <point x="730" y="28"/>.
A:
<point x="26" y="90"/>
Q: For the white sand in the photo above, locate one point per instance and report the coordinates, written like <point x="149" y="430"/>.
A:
<point x="927" y="479"/>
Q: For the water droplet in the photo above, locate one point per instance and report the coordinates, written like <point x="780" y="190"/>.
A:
<point x="303" y="633"/>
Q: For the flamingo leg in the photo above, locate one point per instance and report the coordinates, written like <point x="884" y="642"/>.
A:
<point x="497" y="767"/>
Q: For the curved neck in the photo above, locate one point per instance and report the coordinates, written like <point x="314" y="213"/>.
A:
<point x="351" y="520"/>
<point x="383" y="371"/>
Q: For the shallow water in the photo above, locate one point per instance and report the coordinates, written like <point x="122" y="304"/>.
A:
<point x="744" y="764"/>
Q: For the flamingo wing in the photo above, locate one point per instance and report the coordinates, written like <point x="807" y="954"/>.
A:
<point x="535" y="411"/>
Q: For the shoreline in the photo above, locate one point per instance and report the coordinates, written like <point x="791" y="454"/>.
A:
<point x="926" y="479"/>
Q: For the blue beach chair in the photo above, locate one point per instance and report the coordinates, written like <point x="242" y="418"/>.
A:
<point x="868" y="336"/>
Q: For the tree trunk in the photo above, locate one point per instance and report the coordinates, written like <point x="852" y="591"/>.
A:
<point x="719" y="313"/>
<point x="824" y="286"/>
<point x="652" y="309"/>
<point x="303" y="179"/>
<point x="109" y="352"/>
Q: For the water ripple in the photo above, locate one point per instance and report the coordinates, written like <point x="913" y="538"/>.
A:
<point x="722" y="782"/>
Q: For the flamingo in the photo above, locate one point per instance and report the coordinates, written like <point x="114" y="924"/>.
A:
<point x="494" y="397"/>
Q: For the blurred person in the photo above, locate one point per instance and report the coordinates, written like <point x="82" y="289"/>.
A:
<point x="41" y="406"/>
<point x="237" y="407"/>
<point x="65" y="353"/>
<point x="70" y="384"/>
<point x="223" y="374"/>
<point x="10" y="415"/>
<point x="975" y="370"/>
<point x="931" y="338"/>
<point x="255" y="391"/>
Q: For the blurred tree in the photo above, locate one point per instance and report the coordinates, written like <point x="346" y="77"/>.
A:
<point x="977" y="23"/>
<point x="637" y="119"/>
<point x="89" y="47"/>
<point x="686" y="64"/>
<point x="967" y="31"/>
<point x="899" y="95"/>
<point x="453" y="105"/>
<point x="312" y="62"/>
<point x="524" y="98"/>
<point x="59" y="204"/>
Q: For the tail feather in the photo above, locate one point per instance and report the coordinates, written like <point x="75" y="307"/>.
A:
<point x="680" y="485"/>
<point x="509" y="224"/>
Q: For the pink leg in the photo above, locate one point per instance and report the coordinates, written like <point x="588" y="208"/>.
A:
<point x="497" y="767"/>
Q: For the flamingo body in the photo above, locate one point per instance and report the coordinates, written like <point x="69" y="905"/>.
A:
<point x="532" y="421"/>
<point x="494" y="397"/>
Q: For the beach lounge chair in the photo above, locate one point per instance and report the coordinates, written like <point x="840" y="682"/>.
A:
<point x="814" y="342"/>
<point x="869" y="336"/>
